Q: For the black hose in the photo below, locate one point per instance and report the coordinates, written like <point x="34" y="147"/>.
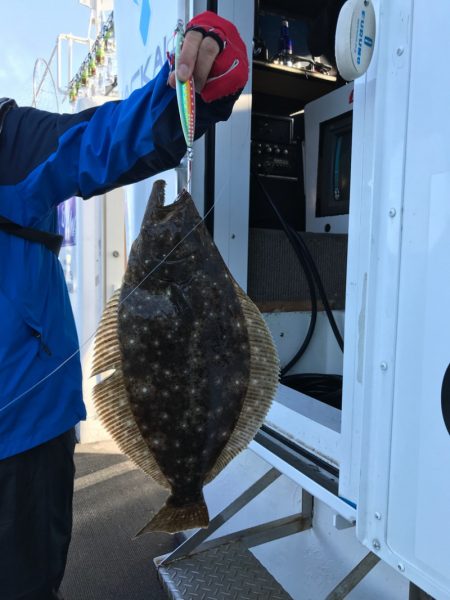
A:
<point x="313" y="320"/>
<point x="310" y="269"/>
<point x="324" y="387"/>
<point x="310" y="281"/>
<point x="320" y="287"/>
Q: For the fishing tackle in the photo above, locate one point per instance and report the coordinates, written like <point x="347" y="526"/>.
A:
<point x="186" y="101"/>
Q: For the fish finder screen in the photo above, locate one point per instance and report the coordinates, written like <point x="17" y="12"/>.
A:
<point x="333" y="177"/>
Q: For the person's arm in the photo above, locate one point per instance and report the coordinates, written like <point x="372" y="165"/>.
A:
<point x="47" y="157"/>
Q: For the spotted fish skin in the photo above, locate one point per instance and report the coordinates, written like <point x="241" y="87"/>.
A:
<point x="188" y="366"/>
<point x="184" y="346"/>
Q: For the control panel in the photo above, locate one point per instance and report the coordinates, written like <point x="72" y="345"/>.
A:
<point x="275" y="159"/>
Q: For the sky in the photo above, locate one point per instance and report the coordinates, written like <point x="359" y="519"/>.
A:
<point x="28" y="30"/>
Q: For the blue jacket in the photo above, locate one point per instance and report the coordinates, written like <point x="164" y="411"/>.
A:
<point x="46" y="158"/>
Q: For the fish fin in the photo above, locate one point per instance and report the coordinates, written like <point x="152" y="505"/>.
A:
<point x="106" y="346"/>
<point x="172" y="519"/>
<point x="111" y="398"/>
<point x="263" y="378"/>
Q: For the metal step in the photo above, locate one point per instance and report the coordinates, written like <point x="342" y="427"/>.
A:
<point x="225" y="572"/>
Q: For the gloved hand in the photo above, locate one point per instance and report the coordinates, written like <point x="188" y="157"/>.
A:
<point x="215" y="53"/>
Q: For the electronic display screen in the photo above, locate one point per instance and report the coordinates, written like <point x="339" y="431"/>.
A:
<point x="333" y="176"/>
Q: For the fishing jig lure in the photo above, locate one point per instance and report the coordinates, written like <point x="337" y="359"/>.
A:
<point x="186" y="100"/>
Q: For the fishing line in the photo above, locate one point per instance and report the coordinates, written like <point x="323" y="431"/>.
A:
<point x="186" y="103"/>
<point x="60" y="366"/>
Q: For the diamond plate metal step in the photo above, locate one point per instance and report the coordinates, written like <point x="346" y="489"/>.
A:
<point x="226" y="572"/>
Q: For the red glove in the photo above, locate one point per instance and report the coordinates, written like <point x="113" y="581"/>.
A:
<point x="229" y="73"/>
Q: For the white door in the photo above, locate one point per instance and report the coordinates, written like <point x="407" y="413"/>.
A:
<point x="404" y="497"/>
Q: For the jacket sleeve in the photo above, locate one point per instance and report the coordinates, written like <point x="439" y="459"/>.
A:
<point x="48" y="157"/>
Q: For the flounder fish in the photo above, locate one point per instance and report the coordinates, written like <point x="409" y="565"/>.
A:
<point x="194" y="365"/>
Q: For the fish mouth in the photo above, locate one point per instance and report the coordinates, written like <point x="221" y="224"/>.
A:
<point x="157" y="211"/>
<point x="166" y="241"/>
<point x="163" y="213"/>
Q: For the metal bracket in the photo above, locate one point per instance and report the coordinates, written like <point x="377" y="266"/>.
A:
<point x="197" y="563"/>
<point x="200" y="568"/>
<point x="340" y="523"/>
<point x="354" y="577"/>
<point x="252" y="536"/>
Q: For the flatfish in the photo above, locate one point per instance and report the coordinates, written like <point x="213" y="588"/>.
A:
<point x="192" y="365"/>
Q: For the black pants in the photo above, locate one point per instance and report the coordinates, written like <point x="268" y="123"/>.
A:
<point x="36" y="490"/>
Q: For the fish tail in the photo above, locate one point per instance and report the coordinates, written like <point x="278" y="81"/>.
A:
<point x="172" y="519"/>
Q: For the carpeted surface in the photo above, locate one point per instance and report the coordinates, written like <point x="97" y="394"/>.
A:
<point x="113" y="500"/>
<point x="276" y="280"/>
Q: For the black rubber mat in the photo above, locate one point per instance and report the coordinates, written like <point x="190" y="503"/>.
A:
<point x="112" y="502"/>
